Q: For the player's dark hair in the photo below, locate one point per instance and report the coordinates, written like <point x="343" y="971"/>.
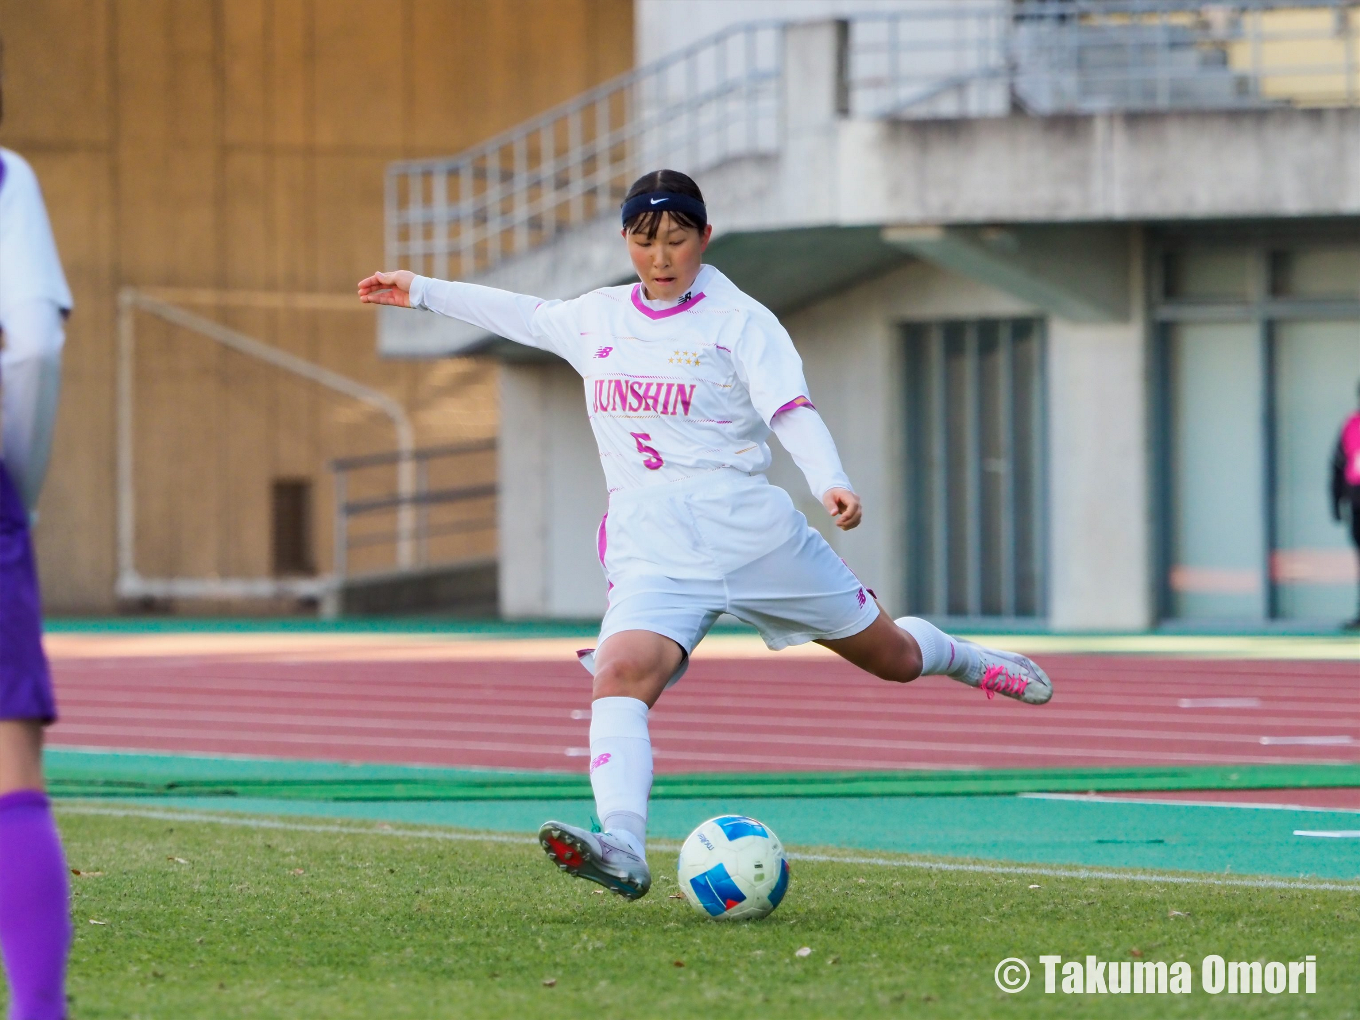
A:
<point x="648" y="221"/>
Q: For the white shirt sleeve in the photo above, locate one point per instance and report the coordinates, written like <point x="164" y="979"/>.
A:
<point x="769" y="366"/>
<point x="29" y="266"/>
<point x="30" y="382"/>
<point x="802" y="432"/>
<point x="527" y="320"/>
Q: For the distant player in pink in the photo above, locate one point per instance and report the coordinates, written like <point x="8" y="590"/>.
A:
<point x="35" y="919"/>
<point x="1346" y="485"/>
<point x="685" y="379"/>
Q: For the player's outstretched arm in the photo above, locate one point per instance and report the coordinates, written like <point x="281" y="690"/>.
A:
<point x="517" y="317"/>
<point x="392" y="288"/>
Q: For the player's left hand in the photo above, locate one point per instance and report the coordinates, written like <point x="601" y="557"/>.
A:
<point x="844" y="506"/>
<point x="392" y="288"/>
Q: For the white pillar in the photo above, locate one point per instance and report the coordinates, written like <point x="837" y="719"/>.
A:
<point x="814" y="99"/>
<point x="552" y="494"/>
<point x="1100" y="555"/>
<point x="522" y="503"/>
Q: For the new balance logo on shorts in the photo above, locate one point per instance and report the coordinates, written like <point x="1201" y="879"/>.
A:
<point x="861" y="598"/>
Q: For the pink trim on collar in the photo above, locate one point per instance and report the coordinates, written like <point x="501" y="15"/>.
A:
<point x="665" y="312"/>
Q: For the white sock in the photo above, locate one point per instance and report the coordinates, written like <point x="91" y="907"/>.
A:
<point x="941" y="655"/>
<point x="621" y="765"/>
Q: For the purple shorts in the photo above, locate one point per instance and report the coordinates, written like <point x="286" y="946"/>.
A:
<point x="25" y="683"/>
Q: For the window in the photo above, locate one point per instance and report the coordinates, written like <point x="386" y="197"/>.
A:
<point x="1259" y="344"/>
<point x="291" y="515"/>
<point x="975" y="437"/>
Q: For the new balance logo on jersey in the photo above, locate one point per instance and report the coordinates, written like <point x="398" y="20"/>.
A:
<point x="604" y="352"/>
<point x="631" y="395"/>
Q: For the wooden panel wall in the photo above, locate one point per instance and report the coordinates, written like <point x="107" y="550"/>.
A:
<point x="241" y="144"/>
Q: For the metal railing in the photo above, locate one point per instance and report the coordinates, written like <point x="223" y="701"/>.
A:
<point x="713" y="101"/>
<point x="465" y="492"/>
<point x="1084" y="56"/>
<point x="719" y="99"/>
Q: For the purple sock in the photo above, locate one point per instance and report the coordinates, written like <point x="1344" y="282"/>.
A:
<point x="35" y="915"/>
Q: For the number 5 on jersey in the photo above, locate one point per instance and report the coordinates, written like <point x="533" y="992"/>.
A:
<point x="651" y="459"/>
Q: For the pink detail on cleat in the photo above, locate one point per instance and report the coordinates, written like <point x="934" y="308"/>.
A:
<point x="997" y="681"/>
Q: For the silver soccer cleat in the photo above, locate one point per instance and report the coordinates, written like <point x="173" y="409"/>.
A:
<point x="1010" y="675"/>
<point x="599" y="857"/>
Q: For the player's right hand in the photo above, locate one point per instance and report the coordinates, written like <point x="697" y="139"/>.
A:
<point x="387" y="288"/>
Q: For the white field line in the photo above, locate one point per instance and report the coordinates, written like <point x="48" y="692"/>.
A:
<point x="1340" y="834"/>
<point x="1114" y="798"/>
<point x="250" y="822"/>
<point x="1317" y="741"/>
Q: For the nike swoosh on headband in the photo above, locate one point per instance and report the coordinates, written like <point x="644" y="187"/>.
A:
<point x="654" y="201"/>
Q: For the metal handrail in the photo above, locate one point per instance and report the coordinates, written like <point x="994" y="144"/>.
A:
<point x="1081" y="56"/>
<point x="409" y="504"/>
<point x="713" y="101"/>
<point x="415" y="455"/>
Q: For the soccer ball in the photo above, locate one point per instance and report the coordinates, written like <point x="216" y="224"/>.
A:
<point x="733" y="866"/>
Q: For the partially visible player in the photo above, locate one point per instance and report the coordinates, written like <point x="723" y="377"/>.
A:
<point x="1346" y="485"/>
<point x="685" y="379"/>
<point x="35" y="917"/>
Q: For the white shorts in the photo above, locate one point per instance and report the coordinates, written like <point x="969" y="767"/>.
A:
<point x="674" y="558"/>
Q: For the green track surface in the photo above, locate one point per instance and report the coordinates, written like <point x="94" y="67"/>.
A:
<point x="74" y="773"/>
<point x="200" y="919"/>
<point x="1000" y="828"/>
<point x="955" y="814"/>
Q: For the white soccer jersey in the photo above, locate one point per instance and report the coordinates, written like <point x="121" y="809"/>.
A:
<point x="29" y="266"/>
<point x="671" y="394"/>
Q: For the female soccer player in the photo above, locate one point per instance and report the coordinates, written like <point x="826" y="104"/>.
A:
<point x="685" y="378"/>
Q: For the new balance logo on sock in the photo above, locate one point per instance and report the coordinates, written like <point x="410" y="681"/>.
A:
<point x="598" y="760"/>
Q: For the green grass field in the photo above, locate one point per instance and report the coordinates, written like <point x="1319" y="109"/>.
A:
<point x="205" y="919"/>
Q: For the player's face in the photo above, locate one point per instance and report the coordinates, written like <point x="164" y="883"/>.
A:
<point x="668" y="263"/>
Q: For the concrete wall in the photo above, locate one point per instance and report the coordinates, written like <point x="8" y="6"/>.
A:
<point x="241" y="144"/>
<point x="552" y="496"/>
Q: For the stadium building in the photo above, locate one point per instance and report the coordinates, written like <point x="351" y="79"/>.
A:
<point x="1076" y="282"/>
<point x="1077" y="285"/>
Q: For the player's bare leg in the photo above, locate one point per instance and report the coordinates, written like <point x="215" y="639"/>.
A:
<point x="631" y="670"/>
<point x="21" y="742"/>
<point x="901" y="650"/>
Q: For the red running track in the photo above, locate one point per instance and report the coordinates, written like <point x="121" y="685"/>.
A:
<point x="726" y="715"/>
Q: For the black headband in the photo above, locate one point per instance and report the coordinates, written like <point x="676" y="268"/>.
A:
<point x="665" y="201"/>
